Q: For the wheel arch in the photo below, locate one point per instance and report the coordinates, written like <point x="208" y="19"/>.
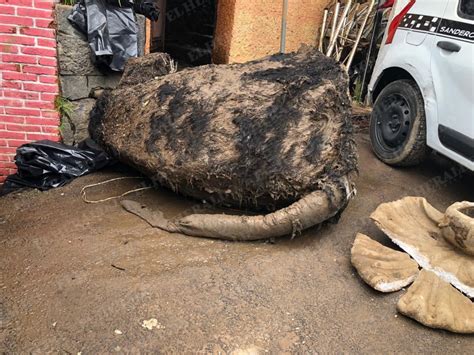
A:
<point x="389" y="75"/>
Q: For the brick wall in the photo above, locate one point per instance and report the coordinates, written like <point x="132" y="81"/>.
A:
<point x="28" y="77"/>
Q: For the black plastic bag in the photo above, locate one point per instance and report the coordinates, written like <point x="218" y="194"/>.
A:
<point x="111" y="28"/>
<point x="46" y="164"/>
<point x="112" y="31"/>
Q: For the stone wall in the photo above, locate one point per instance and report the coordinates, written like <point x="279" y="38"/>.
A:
<point x="80" y="80"/>
<point x="248" y="30"/>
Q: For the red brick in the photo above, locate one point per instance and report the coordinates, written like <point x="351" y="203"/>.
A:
<point x="37" y="136"/>
<point x="37" y="69"/>
<point x="16" y="20"/>
<point x="43" y="52"/>
<point x="3" y="143"/>
<point x="48" y="97"/>
<point x="44" y="42"/>
<point x="44" y="4"/>
<point x="53" y="89"/>
<point x="53" y="130"/>
<point x="7" y="10"/>
<point x="11" y="119"/>
<point x="19" y="76"/>
<point x="10" y="67"/>
<point x="12" y="84"/>
<point x="7" y="150"/>
<point x="23" y="128"/>
<point x="42" y="23"/>
<point x="50" y="114"/>
<point x="49" y="62"/>
<point x="17" y="2"/>
<point x="9" y="48"/>
<point x="22" y="111"/>
<point x="7" y="157"/>
<point x="13" y="135"/>
<point x="48" y="79"/>
<point x="29" y="41"/>
<point x="7" y="29"/>
<point x="32" y="12"/>
<point x="38" y="32"/>
<point x="21" y="94"/>
<point x="11" y="102"/>
<point x="15" y="142"/>
<point x="42" y="121"/>
<point x="13" y="58"/>
<point x="8" y="165"/>
<point x="40" y="104"/>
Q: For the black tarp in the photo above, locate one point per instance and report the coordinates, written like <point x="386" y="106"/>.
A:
<point x="111" y="28"/>
<point x="45" y="164"/>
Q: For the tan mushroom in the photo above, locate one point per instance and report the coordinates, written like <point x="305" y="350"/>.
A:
<point x="457" y="226"/>
<point x="413" y="224"/>
<point x="384" y="269"/>
<point x="435" y="303"/>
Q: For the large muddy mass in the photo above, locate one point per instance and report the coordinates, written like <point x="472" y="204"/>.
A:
<point x="259" y="135"/>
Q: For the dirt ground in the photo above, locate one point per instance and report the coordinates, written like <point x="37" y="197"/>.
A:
<point x="74" y="276"/>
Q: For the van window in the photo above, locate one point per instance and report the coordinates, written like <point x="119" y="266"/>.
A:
<point x="466" y="8"/>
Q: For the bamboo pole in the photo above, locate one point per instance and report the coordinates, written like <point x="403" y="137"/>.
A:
<point x="359" y="35"/>
<point x="323" y="30"/>
<point x="348" y="25"/>
<point x="335" y="16"/>
<point x="283" y="27"/>
<point x="339" y="27"/>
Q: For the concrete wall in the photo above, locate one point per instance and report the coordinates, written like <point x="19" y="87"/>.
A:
<point x="248" y="30"/>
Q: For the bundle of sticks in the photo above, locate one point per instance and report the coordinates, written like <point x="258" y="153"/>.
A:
<point x="346" y="28"/>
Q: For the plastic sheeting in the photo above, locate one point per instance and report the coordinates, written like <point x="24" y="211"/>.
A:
<point x="46" y="164"/>
<point x="111" y="30"/>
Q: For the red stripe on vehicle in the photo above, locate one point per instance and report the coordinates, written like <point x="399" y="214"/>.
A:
<point x="397" y="20"/>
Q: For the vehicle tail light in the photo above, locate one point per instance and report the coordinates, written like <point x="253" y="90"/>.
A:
<point x="387" y="4"/>
<point x="397" y="20"/>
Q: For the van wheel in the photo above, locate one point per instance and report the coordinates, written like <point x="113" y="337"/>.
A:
<point x="398" y="125"/>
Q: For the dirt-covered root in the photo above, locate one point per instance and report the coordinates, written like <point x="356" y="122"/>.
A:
<point x="309" y="211"/>
<point x="457" y="226"/>
<point x="143" y="69"/>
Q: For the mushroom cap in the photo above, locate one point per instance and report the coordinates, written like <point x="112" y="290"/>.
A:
<point x="436" y="304"/>
<point x="384" y="269"/>
<point x="413" y="224"/>
<point x="457" y="226"/>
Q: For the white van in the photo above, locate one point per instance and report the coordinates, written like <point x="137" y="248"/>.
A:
<point x="422" y="87"/>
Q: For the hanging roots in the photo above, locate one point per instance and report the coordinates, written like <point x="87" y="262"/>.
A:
<point x="311" y="210"/>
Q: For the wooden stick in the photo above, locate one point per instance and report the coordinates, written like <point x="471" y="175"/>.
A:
<point x="334" y="21"/>
<point x="359" y="36"/>
<point x="323" y="30"/>
<point x="339" y="27"/>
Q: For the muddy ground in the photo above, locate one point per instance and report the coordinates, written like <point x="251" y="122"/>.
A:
<point x="74" y="275"/>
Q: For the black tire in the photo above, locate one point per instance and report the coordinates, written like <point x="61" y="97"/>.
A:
<point x="398" y="125"/>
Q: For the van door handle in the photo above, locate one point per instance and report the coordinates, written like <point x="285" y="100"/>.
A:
<point x="449" y="46"/>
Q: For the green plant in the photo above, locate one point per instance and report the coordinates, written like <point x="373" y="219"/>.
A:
<point x="68" y="2"/>
<point x="63" y="106"/>
<point x="357" y="95"/>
